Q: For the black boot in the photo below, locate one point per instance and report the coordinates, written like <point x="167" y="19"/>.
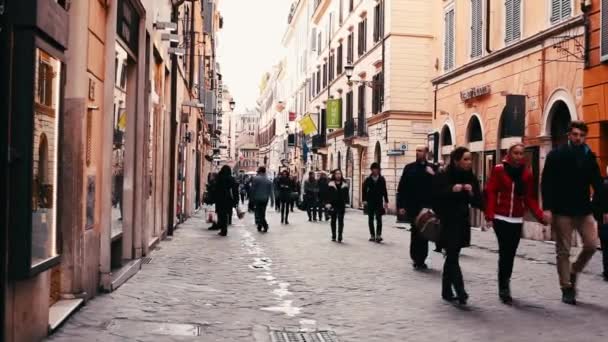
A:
<point x="504" y="292"/>
<point x="569" y="295"/>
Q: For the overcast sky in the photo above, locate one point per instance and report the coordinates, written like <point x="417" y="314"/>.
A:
<point x="250" y="44"/>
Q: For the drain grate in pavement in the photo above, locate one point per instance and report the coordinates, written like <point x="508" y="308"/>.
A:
<point x="290" y="336"/>
<point x="155" y="328"/>
<point x="146" y="260"/>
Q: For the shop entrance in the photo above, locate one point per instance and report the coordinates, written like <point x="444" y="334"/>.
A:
<point x="476" y="145"/>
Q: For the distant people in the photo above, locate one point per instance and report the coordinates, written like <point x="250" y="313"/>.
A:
<point x="243" y="191"/>
<point x="509" y="193"/>
<point x="455" y="191"/>
<point x="413" y="195"/>
<point x="209" y="196"/>
<point x="337" y="200"/>
<point x="323" y="196"/>
<point x="296" y="191"/>
<point x="569" y="173"/>
<point x="602" y="227"/>
<point x="276" y="189"/>
<point x="311" y="197"/>
<point x="285" y="190"/>
<point x="261" y="192"/>
<point x="226" y="198"/>
<point x="375" y="199"/>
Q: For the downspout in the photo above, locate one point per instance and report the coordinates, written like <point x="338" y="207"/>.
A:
<point x="192" y="50"/>
<point x="488" y="12"/>
<point x="586" y="8"/>
<point x="384" y="37"/>
<point x="173" y="133"/>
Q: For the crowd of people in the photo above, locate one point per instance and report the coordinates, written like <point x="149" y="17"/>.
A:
<point x="448" y="194"/>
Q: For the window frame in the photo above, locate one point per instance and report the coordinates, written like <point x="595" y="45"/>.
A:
<point x="450" y="8"/>
<point x="521" y="23"/>
<point x="482" y="28"/>
<point x="561" y="19"/>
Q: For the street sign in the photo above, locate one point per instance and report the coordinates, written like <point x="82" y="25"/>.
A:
<point x="392" y="153"/>
<point x="403" y="147"/>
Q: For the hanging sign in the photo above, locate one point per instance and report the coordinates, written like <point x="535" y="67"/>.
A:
<point x="334" y="113"/>
<point x="308" y="125"/>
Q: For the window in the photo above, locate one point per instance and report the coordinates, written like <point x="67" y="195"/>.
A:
<point x="318" y="81"/>
<point x="361" y="100"/>
<point x="350" y="48"/>
<point x="332" y="67"/>
<point x="448" y="53"/>
<point x="351" y="5"/>
<point x="377" y="94"/>
<point x="512" y="20"/>
<point x="362" y="47"/>
<point x="560" y="10"/>
<point x="325" y="75"/>
<point x="604" y="32"/>
<point x="320" y="42"/>
<point x="379" y="22"/>
<point x="46" y="75"/>
<point x="341" y="14"/>
<point x="476" y="28"/>
<point x="349" y="105"/>
<point x="340" y="60"/>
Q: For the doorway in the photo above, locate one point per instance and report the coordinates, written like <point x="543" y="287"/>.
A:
<point x="559" y="120"/>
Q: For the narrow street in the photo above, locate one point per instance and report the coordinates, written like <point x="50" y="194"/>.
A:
<point x="239" y="288"/>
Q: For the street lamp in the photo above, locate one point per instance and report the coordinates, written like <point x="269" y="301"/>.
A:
<point x="349" y="69"/>
<point x="232" y="105"/>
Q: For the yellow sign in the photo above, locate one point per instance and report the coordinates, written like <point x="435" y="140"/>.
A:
<point x="122" y="121"/>
<point x="308" y="125"/>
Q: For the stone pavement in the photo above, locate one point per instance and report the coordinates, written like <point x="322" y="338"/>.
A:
<point x="294" y="278"/>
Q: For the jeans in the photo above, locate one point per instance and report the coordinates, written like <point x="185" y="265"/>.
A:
<point x="419" y="246"/>
<point x="452" y="274"/>
<point x="285" y="211"/>
<point x="508" y="236"/>
<point x="337" y="216"/>
<point x="562" y="228"/>
<point x="260" y="214"/>
<point x="374" y="213"/>
<point x="311" y="210"/>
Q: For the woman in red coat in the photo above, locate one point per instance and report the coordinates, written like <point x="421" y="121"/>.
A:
<point x="510" y="192"/>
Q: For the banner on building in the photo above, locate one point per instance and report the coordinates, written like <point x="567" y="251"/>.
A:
<point x="308" y="125"/>
<point x="292" y="116"/>
<point x="334" y="113"/>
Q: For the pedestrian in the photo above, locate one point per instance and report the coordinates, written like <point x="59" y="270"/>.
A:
<point x="243" y="191"/>
<point x="296" y="191"/>
<point x="375" y="200"/>
<point x="285" y="190"/>
<point x="226" y="198"/>
<point x="455" y="191"/>
<point x="413" y="195"/>
<point x="323" y="184"/>
<point x="209" y="196"/>
<point x="261" y="192"/>
<point x="509" y="193"/>
<point x="277" y="197"/>
<point x="337" y="199"/>
<point x="602" y="228"/>
<point x="570" y="171"/>
<point x="311" y="197"/>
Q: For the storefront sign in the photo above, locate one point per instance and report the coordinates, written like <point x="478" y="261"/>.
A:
<point x="475" y="92"/>
<point x="334" y="113"/>
<point x="392" y="153"/>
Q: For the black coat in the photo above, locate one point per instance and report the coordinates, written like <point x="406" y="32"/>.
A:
<point x="286" y="187"/>
<point x="338" y="195"/>
<point x="323" y="189"/>
<point x="226" y="193"/>
<point x="567" y="178"/>
<point x="375" y="193"/>
<point x="414" y="191"/>
<point x="453" y="208"/>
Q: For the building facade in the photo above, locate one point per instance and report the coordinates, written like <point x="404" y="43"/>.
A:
<point x="107" y="157"/>
<point x="247" y="127"/>
<point x="507" y="71"/>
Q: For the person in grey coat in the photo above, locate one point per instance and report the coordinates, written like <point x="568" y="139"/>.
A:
<point x="261" y="192"/>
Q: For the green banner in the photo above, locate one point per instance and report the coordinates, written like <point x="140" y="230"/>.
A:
<point x="333" y="117"/>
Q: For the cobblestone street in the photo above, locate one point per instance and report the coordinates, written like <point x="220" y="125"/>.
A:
<point x="240" y="287"/>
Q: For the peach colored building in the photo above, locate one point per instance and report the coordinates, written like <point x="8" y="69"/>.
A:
<point x="507" y="71"/>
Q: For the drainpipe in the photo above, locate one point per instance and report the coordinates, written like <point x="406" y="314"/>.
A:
<point x="173" y="133"/>
<point x="586" y="8"/>
<point x="488" y="50"/>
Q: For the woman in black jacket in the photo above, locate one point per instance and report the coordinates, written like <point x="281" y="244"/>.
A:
<point x="285" y="189"/>
<point x="337" y="201"/>
<point x="454" y="191"/>
<point x="375" y="199"/>
<point x="226" y="197"/>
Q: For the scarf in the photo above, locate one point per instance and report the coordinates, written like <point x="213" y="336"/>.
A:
<point x="375" y="178"/>
<point x="516" y="172"/>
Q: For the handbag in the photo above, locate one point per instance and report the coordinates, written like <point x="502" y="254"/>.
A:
<point x="428" y="225"/>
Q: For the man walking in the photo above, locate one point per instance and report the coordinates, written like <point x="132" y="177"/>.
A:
<point x="323" y="184"/>
<point x="261" y="192"/>
<point x="375" y="199"/>
<point x="413" y="195"/>
<point x="311" y="196"/>
<point x="570" y="171"/>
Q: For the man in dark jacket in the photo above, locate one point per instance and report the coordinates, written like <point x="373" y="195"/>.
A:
<point x="323" y="196"/>
<point x="277" y="198"/>
<point x="375" y="199"/>
<point x="413" y="195"/>
<point x="261" y="192"/>
<point x="311" y="196"/>
<point x="569" y="173"/>
<point x="226" y="197"/>
<point x="602" y="227"/>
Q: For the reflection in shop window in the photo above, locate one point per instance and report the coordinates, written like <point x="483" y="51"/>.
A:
<point x="44" y="156"/>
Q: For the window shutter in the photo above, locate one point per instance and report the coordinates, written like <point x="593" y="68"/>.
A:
<point x="313" y="39"/>
<point x="556" y="10"/>
<point x="604" y="31"/>
<point x="566" y="8"/>
<point x="449" y="40"/>
<point x="508" y="21"/>
<point x="516" y="19"/>
<point x="476" y="28"/>
<point x="361" y="101"/>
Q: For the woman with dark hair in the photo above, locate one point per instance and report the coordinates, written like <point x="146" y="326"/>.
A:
<point x="337" y="201"/>
<point x="509" y="193"/>
<point x="226" y="197"/>
<point x="455" y="190"/>
<point x="285" y="189"/>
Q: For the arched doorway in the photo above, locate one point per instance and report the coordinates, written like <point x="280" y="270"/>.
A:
<point x="331" y="162"/>
<point x="362" y="167"/>
<point x="446" y="143"/>
<point x="559" y="120"/>
<point x="378" y="153"/>
<point x="339" y="162"/>
<point x="474" y="138"/>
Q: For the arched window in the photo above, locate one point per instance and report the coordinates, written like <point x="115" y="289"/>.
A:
<point x="378" y="153"/>
<point x="474" y="132"/>
<point x="559" y="120"/>
<point x="446" y="136"/>
<point x="339" y="160"/>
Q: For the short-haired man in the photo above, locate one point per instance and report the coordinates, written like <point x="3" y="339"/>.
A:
<point x="375" y="199"/>
<point x="570" y="171"/>
<point x="261" y="192"/>
<point x="413" y="195"/>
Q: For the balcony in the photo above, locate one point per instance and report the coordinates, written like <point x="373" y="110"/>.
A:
<point x="355" y="131"/>
<point x="319" y="143"/>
